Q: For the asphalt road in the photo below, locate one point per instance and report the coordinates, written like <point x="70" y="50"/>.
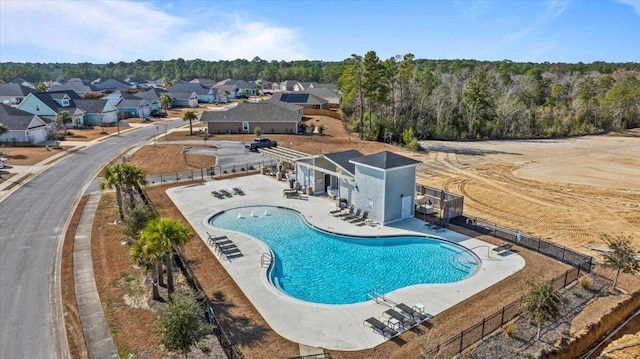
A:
<point x="32" y="224"/>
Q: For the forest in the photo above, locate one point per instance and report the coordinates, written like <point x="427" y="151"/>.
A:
<point x="402" y="99"/>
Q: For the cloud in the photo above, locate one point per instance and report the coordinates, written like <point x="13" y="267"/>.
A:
<point x="112" y="31"/>
<point x="635" y="4"/>
<point x="555" y="8"/>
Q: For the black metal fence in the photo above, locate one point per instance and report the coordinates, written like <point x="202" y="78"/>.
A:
<point x="214" y="172"/>
<point x="229" y="349"/>
<point x="552" y="250"/>
<point x="489" y="324"/>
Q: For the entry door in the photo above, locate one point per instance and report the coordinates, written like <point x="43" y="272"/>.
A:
<point x="407" y="202"/>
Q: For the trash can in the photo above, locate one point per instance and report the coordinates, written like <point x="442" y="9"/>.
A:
<point x="291" y="181"/>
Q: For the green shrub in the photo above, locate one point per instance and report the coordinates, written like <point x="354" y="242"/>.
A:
<point x="413" y="145"/>
<point x="257" y="131"/>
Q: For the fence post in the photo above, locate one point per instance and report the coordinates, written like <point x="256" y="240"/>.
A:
<point x="160" y="178"/>
<point x="566" y="274"/>
<point x="461" y="335"/>
<point x="482" y="335"/>
<point x="177" y="178"/>
<point x="564" y="249"/>
<point x="502" y="317"/>
<point x="539" y="240"/>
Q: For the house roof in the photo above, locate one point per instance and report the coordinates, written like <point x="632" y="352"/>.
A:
<point x="91" y="105"/>
<point x="111" y="84"/>
<point x="203" y="82"/>
<point x="153" y="94"/>
<point x="323" y="93"/>
<point x="302" y="98"/>
<point x="253" y="112"/>
<point x="189" y="87"/>
<point x="343" y="158"/>
<point x="14" y="119"/>
<point x="183" y="95"/>
<point x="78" y="85"/>
<point x="318" y="85"/>
<point x="385" y="160"/>
<point x="241" y="84"/>
<point x="14" y="89"/>
<point x="135" y="80"/>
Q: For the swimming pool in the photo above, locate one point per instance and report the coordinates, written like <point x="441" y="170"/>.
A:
<point x="321" y="267"/>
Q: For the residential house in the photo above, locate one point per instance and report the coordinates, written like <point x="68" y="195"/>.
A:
<point x="152" y="96"/>
<point x="13" y="93"/>
<point x="98" y="111"/>
<point x="111" y="84"/>
<point x="185" y="99"/>
<point x="245" y="117"/>
<point x="129" y="105"/>
<point x="289" y="85"/>
<point x="203" y="81"/>
<point x="204" y="94"/>
<point x="47" y="105"/>
<point x="23" y="82"/>
<point x="24" y="127"/>
<point x="382" y="184"/>
<point x="136" y="82"/>
<point x="317" y="85"/>
<point x="77" y="85"/>
<point x="236" y="88"/>
<point x="303" y="99"/>
<point x="333" y="98"/>
<point x="264" y="85"/>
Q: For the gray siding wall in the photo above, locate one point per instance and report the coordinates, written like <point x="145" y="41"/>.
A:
<point x="399" y="182"/>
<point x="370" y="192"/>
<point x="267" y="128"/>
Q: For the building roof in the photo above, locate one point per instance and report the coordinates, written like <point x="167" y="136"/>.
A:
<point x="252" y="112"/>
<point x="14" y="119"/>
<point x="14" y="89"/>
<point x="189" y="87"/>
<point x="203" y="82"/>
<point x="300" y="98"/>
<point x="111" y="84"/>
<point x="91" y="105"/>
<point x="78" y="85"/>
<point x="328" y="86"/>
<point x="343" y="159"/>
<point x="323" y="93"/>
<point x="385" y="160"/>
<point x="153" y="93"/>
<point x="183" y="95"/>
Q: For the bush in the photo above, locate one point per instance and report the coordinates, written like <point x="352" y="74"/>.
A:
<point x="584" y="282"/>
<point x="510" y="329"/>
<point x="257" y="131"/>
<point x="413" y="145"/>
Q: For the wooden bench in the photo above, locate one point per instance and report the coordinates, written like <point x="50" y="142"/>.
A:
<point x="503" y="248"/>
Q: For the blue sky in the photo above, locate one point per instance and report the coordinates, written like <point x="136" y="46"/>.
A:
<point x="118" y="30"/>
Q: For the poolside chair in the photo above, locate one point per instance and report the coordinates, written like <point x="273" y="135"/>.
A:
<point x="414" y="314"/>
<point x="238" y="190"/>
<point x="384" y="329"/>
<point x="346" y="213"/>
<point x="339" y="209"/>
<point x="349" y="217"/>
<point x="360" y="219"/>
<point x="217" y="194"/>
<point x="403" y="320"/>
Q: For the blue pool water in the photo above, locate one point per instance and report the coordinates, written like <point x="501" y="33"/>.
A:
<point x="320" y="267"/>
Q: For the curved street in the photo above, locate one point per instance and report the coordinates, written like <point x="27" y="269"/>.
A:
<point x="33" y="220"/>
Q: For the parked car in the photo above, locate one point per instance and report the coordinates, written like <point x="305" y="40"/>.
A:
<point x="260" y="143"/>
<point x="158" y="113"/>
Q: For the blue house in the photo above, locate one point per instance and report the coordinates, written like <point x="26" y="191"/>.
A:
<point x="47" y="105"/>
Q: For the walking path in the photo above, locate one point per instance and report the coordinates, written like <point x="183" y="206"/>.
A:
<point x="94" y="325"/>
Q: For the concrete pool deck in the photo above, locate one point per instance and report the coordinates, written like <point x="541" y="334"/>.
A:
<point x="337" y="327"/>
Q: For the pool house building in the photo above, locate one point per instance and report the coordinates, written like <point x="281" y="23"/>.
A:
<point x="382" y="183"/>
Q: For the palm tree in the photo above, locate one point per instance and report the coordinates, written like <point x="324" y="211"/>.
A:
<point x="190" y="116"/>
<point x="622" y="257"/>
<point x="165" y="100"/>
<point x="112" y="179"/>
<point x="132" y="177"/>
<point x="149" y="256"/>
<point x="63" y="119"/>
<point x="168" y="234"/>
<point x="39" y="86"/>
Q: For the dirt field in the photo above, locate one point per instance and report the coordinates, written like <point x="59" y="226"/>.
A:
<point x="26" y="156"/>
<point x="570" y="191"/>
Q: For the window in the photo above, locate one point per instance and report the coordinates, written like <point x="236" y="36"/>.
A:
<point x="245" y="126"/>
<point x="37" y="107"/>
<point x="65" y="102"/>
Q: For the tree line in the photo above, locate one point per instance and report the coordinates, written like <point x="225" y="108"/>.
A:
<point x="402" y="97"/>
